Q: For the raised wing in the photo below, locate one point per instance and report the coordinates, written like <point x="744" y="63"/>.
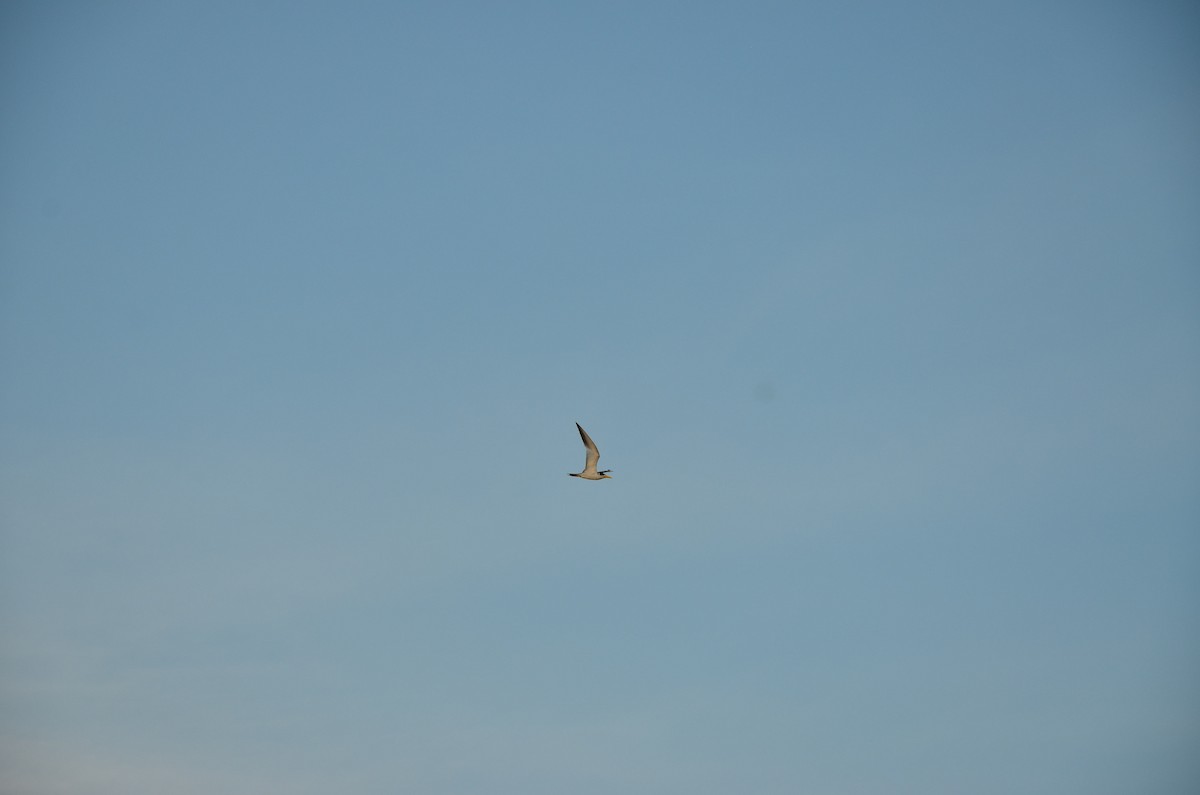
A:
<point x="593" y="454"/>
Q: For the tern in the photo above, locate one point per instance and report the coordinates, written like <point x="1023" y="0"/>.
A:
<point x="593" y="457"/>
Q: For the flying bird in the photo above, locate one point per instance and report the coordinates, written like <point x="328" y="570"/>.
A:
<point x="593" y="457"/>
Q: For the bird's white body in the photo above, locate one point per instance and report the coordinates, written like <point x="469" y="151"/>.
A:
<point x="593" y="458"/>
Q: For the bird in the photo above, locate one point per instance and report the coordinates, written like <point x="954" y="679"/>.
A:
<point x="593" y="457"/>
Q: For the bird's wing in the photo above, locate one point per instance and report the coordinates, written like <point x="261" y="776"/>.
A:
<point x="593" y="455"/>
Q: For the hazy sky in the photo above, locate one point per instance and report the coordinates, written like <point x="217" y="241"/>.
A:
<point x="886" y="317"/>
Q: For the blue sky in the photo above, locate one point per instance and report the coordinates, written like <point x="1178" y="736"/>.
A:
<point x="884" y="316"/>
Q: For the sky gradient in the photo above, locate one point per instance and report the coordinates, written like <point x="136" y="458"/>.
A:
<point x="884" y="316"/>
